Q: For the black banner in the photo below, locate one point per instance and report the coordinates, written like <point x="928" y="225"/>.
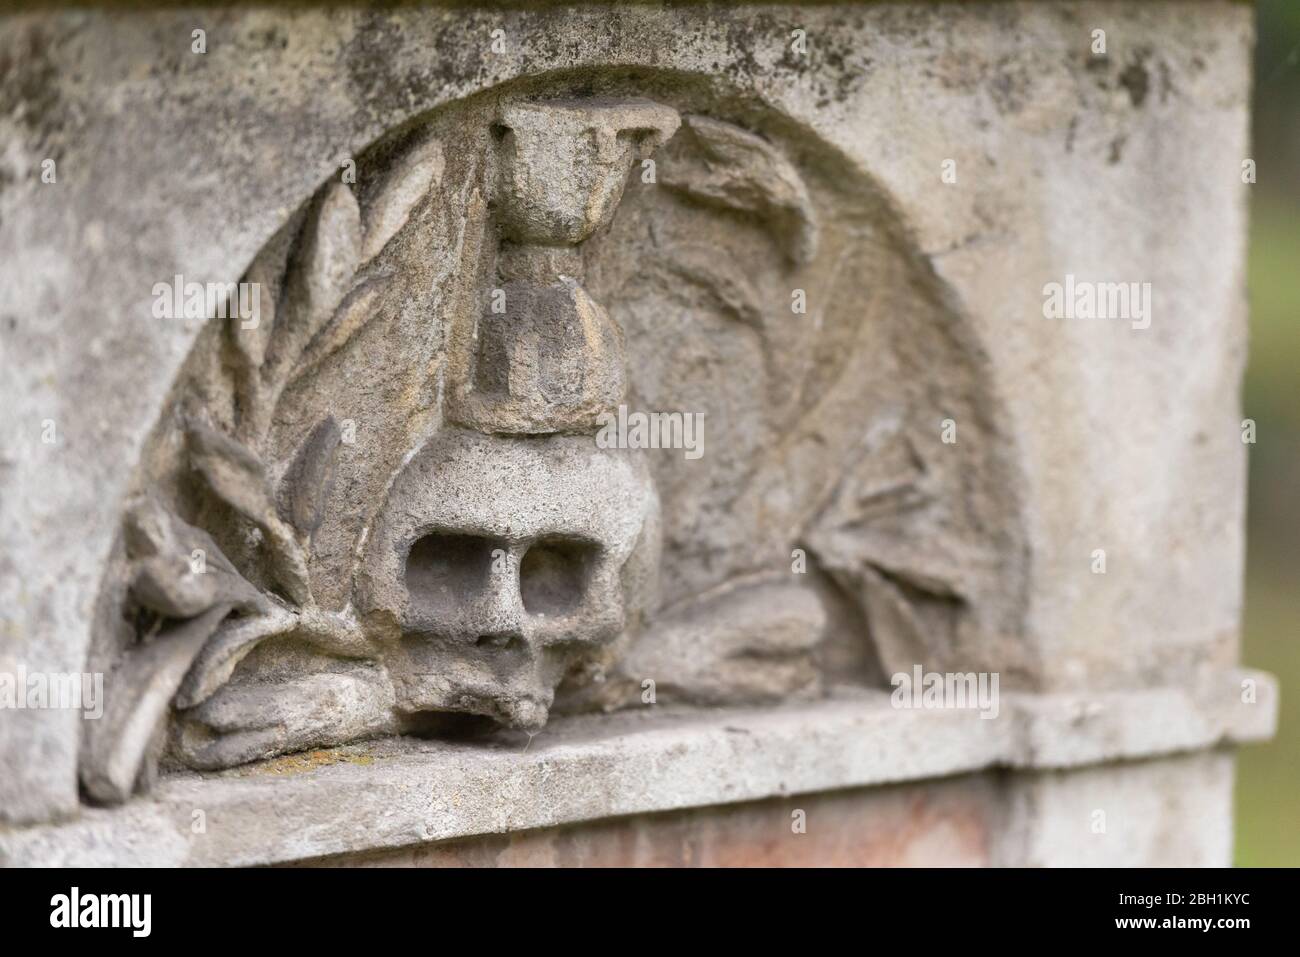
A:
<point x="372" y="906"/>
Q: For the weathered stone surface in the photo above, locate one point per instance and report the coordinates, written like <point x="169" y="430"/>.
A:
<point x="118" y="745"/>
<point x="178" y="571"/>
<point x="492" y="570"/>
<point x="956" y="822"/>
<point x="740" y="171"/>
<point x="563" y="164"/>
<point x="754" y="642"/>
<point x="503" y="564"/>
<point x="400" y="792"/>
<point x="295" y="443"/>
<point x="254" y="720"/>
<point x="949" y="823"/>
<point x="1171" y="813"/>
<point x="551" y="361"/>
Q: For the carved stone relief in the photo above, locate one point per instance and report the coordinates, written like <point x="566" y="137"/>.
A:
<point x="386" y="505"/>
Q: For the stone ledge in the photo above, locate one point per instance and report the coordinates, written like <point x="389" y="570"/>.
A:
<point x="402" y="792"/>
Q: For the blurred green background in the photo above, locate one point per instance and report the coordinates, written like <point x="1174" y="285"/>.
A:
<point x="1268" y="780"/>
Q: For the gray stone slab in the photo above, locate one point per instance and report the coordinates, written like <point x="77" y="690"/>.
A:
<point x="402" y="792"/>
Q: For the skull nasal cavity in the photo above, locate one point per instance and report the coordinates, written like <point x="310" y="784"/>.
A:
<point x="443" y="569"/>
<point x="553" y="576"/>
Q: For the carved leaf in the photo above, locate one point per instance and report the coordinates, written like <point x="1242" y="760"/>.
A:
<point x="753" y="642"/>
<point x="354" y="313"/>
<point x="331" y="249"/>
<point x="306" y="485"/>
<point x="236" y="637"/>
<point x="320" y="275"/>
<point x="236" y="475"/>
<point x="177" y="570"/>
<point x="254" y="720"/>
<point x="899" y="636"/>
<point x="251" y="343"/>
<point x="403" y="186"/>
<point x="232" y="471"/>
<point x="117" y="746"/>
<point x="723" y="165"/>
<point x="335" y="634"/>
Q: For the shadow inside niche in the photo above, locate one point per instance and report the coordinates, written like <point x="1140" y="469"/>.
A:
<point x="453" y="727"/>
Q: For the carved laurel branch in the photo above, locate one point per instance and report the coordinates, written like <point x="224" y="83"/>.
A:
<point x="204" y="615"/>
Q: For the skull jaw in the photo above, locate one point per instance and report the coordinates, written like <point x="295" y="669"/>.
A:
<point x="513" y="685"/>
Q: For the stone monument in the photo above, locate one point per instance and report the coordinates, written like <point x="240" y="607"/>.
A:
<point x="646" y="422"/>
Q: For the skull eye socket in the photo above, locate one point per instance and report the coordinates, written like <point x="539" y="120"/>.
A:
<point x="553" y="575"/>
<point x="442" y="568"/>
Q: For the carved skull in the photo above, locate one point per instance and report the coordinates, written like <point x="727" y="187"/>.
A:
<point x="502" y="563"/>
